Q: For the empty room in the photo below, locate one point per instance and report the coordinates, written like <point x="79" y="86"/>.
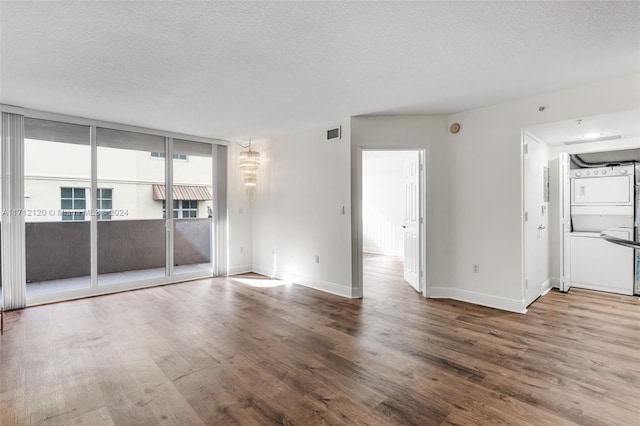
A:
<point x="320" y="213"/>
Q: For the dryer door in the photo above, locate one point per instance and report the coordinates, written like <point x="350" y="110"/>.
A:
<point x="602" y="190"/>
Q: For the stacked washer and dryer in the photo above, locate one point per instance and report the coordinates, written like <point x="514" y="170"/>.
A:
<point x="604" y="200"/>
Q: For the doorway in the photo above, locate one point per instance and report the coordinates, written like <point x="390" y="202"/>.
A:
<point x="550" y="255"/>
<point x="536" y="218"/>
<point x="392" y="212"/>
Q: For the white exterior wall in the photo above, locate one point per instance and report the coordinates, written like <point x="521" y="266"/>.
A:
<point x="131" y="174"/>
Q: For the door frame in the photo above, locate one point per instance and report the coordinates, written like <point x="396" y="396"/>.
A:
<point x="219" y="234"/>
<point x="424" y="193"/>
<point x="564" y="178"/>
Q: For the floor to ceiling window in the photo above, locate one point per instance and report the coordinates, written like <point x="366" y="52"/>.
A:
<point x="94" y="199"/>
<point x="192" y="207"/>
<point x="57" y="182"/>
<point x="131" y="229"/>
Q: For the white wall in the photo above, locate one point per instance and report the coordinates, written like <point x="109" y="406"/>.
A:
<point x="383" y="200"/>
<point x="476" y="193"/>
<point x="413" y="132"/>
<point x="303" y="184"/>
<point x="485" y="181"/>
<point x="239" y="209"/>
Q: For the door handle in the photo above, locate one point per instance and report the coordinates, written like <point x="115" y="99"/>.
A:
<point x="540" y="228"/>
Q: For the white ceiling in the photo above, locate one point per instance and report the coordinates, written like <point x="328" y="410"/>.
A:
<point x="258" y="69"/>
<point x="625" y="124"/>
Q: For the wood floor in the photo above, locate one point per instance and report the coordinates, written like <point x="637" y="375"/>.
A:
<point x="220" y="352"/>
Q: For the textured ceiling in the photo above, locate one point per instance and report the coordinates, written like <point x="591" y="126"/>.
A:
<point x="625" y="124"/>
<point x="258" y="69"/>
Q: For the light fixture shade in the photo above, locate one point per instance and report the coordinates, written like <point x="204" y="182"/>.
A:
<point x="249" y="162"/>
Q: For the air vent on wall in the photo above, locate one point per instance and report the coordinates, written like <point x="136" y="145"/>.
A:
<point x="334" y="133"/>
<point x="600" y="139"/>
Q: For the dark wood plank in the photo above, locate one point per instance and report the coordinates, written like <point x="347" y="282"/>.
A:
<point x="223" y="352"/>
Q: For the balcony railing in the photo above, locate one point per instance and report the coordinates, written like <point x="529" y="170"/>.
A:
<point x="59" y="250"/>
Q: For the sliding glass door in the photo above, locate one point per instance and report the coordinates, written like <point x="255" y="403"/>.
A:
<point x="106" y="208"/>
<point x="192" y="207"/>
<point x="57" y="197"/>
<point x="131" y="227"/>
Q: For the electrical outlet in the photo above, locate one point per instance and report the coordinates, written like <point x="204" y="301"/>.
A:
<point x="476" y="268"/>
<point x="317" y="259"/>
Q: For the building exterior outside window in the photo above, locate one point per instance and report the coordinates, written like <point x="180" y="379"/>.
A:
<point x="105" y="203"/>
<point x="74" y="206"/>
<point x="73" y="203"/>
<point x="128" y="182"/>
<point x="155" y="154"/>
<point x="182" y="209"/>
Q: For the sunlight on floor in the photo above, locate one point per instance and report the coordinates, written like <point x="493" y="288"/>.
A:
<point x="261" y="282"/>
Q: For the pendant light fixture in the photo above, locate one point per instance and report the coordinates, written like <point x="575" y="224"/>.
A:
<point x="249" y="162"/>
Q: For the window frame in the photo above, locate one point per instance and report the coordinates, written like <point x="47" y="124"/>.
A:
<point x="179" y="209"/>
<point x="101" y="211"/>
<point x="161" y="156"/>
<point x="74" y="214"/>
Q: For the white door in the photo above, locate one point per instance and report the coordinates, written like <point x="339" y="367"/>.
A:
<point x="535" y="219"/>
<point x="565" y="222"/>
<point x="412" y="223"/>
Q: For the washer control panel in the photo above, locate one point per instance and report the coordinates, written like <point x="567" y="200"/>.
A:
<point x="602" y="171"/>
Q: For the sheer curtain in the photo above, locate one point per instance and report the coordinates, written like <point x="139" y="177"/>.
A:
<point x="12" y="230"/>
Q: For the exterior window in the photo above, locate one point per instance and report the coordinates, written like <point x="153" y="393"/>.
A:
<point x="189" y="208"/>
<point x="105" y="203"/>
<point x="175" y="209"/>
<point x="73" y="203"/>
<point x="182" y="157"/>
<point x="182" y="209"/>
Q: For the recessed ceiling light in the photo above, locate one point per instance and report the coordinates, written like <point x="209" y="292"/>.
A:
<point x="592" y="135"/>
<point x="596" y="139"/>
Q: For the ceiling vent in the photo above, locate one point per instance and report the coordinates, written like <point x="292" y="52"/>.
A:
<point x="600" y="139"/>
<point x="334" y="133"/>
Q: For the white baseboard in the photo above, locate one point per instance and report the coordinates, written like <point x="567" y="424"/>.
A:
<point x="259" y="269"/>
<point x="243" y="269"/>
<point x="555" y="282"/>
<point x="376" y="250"/>
<point x="545" y="287"/>
<point x="327" y="287"/>
<point x="503" y="303"/>
<point x="615" y="290"/>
